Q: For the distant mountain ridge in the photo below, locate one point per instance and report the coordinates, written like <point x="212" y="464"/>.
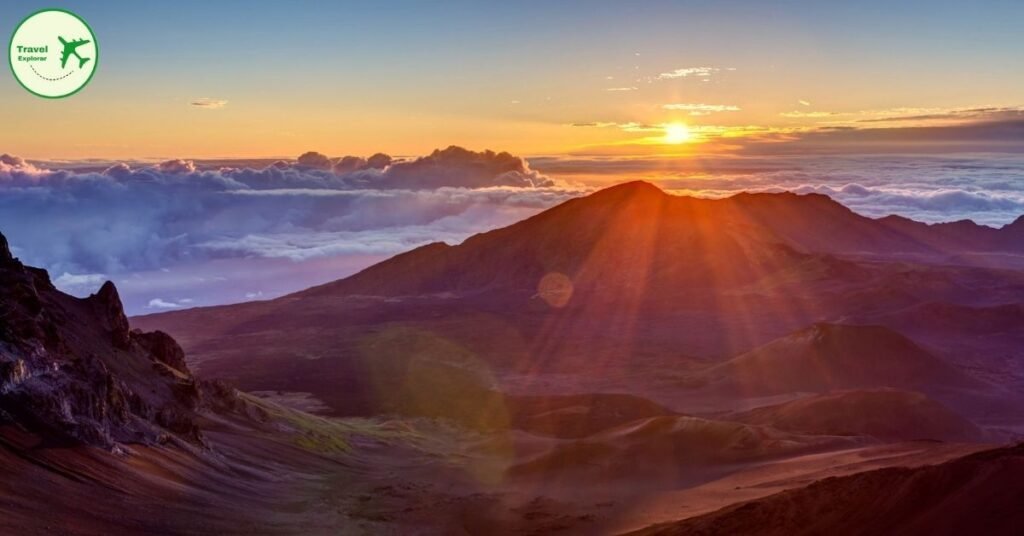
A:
<point x="621" y="283"/>
<point x="730" y="240"/>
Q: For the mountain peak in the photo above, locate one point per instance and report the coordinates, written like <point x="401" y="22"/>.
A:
<point x="633" y="188"/>
<point x="108" y="293"/>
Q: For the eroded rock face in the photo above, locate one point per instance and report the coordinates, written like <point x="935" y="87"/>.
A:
<point x="72" y="371"/>
<point x="163" y="347"/>
<point x="12" y="374"/>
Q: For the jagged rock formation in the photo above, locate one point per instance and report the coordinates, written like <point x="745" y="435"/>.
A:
<point x="72" y="370"/>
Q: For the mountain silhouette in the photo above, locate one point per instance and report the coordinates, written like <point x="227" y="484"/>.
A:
<point x="635" y="231"/>
<point x="611" y="287"/>
<point x="601" y="359"/>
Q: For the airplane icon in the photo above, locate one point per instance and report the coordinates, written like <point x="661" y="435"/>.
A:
<point x="69" y="49"/>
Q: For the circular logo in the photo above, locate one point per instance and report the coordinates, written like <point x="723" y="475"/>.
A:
<point x="53" y="53"/>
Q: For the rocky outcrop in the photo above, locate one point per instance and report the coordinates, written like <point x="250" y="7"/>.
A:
<point x="72" y="370"/>
<point x="12" y="374"/>
<point x="110" y="314"/>
<point x="163" y="347"/>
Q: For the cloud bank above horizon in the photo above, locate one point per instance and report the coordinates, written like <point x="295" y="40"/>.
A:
<point x="181" y="233"/>
<point x="86" y="225"/>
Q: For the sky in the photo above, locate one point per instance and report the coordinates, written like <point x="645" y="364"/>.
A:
<point x="232" y="151"/>
<point x="274" y="79"/>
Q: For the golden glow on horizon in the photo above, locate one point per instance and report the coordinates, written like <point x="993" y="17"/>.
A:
<point x="677" y="133"/>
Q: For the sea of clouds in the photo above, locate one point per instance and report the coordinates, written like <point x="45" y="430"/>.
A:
<point x="985" y="188"/>
<point x="180" y="233"/>
<point x="166" y="219"/>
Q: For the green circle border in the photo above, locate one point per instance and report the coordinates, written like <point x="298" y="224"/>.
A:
<point x="96" y="60"/>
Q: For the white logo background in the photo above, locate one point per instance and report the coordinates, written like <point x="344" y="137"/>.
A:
<point x="47" y="78"/>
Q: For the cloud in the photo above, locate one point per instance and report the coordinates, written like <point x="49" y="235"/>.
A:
<point x="79" y="284"/>
<point x="11" y="166"/>
<point x="157" y="303"/>
<point x="943" y="115"/>
<point x="802" y="102"/>
<point x="896" y="200"/>
<point x="209" y="104"/>
<point x="314" y="159"/>
<point x="692" y="72"/>
<point x="701" y="109"/>
<point x="631" y="126"/>
<point x="456" y="167"/>
<point x="173" y="167"/>
<point x="800" y="114"/>
<point x="216" y="230"/>
<point x="631" y="88"/>
<point x="379" y="161"/>
<point x="348" y="164"/>
<point x="919" y="116"/>
<point x="127" y="219"/>
<point x="986" y="188"/>
<point x="1004" y="136"/>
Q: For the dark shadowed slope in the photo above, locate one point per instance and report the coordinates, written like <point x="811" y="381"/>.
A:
<point x="977" y="494"/>
<point x="886" y="414"/>
<point x="668" y="451"/>
<point x="825" y="357"/>
<point x="940" y="318"/>
<point x="987" y="342"/>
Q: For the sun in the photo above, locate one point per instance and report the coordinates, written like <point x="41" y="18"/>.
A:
<point x="676" y="133"/>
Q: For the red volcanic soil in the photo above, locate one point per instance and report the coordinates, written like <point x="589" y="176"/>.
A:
<point x="571" y="372"/>
<point x="835" y="356"/>
<point x="885" y="414"/>
<point x="247" y="485"/>
<point x="943" y="318"/>
<point x="665" y="452"/>
<point x="507" y="385"/>
<point x="977" y="494"/>
<point x="576" y="416"/>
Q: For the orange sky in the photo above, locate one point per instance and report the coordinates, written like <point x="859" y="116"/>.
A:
<point x="530" y="78"/>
